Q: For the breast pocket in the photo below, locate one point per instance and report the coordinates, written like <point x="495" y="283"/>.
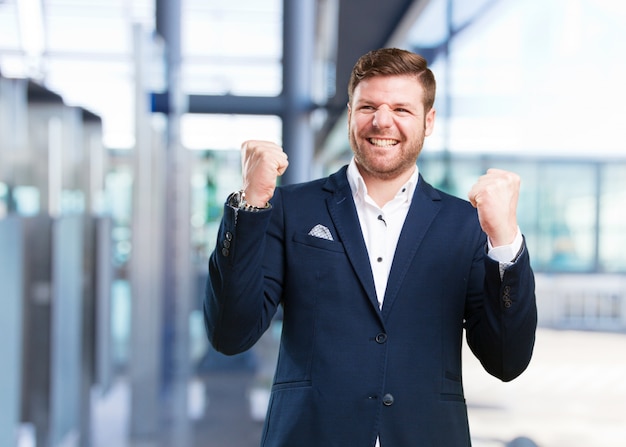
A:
<point x="313" y="262"/>
<point x="318" y="242"/>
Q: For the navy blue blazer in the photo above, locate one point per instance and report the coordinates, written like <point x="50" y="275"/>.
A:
<point x="347" y="371"/>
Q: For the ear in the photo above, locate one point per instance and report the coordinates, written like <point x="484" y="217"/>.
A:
<point x="429" y="122"/>
<point x="349" y="115"/>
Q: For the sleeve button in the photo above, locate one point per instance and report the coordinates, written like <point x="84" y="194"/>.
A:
<point x="388" y="400"/>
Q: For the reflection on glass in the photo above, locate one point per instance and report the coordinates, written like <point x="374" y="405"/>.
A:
<point x="567" y="217"/>
<point x="573" y="222"/>
<point x="612" y="238"/>
<point x="27" y="200"/>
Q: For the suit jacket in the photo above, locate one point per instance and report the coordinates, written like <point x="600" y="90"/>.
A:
<point x="348" y="371"/>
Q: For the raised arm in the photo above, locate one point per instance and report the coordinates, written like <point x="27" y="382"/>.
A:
<point x="501" y="316"/>
<point x="238" y="305"/>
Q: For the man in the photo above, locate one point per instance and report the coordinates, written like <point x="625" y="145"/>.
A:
<point x="378" y="273"/>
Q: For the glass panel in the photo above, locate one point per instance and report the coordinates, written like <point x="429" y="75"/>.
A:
<point x="216" y="174"/>
<point x="233" y="77"/>
<point x="227" y="132"/>
<point x="566" y="224"/>
<point x="27" y="200"/>
<point x="516" y="75"/>
<point x="67" y="328"/>
<point x="4" y="200"/>
<point x="11" y="344"/>
<point x="232" y="48"/>
<point x="613" y="219"/>
<point x="556" y="210"/>
<point x="119" y="183"/>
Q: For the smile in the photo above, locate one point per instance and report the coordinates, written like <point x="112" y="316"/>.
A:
<point x="386" y="142"/>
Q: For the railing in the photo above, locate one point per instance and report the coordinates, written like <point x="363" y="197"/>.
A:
<point x="582" y="302"/>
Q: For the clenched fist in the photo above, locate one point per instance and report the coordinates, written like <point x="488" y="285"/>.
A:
<point x="261" y="162"/>
<point x="495" y="197"/>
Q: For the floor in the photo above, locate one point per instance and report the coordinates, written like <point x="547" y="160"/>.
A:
<point x="572" y="395"/>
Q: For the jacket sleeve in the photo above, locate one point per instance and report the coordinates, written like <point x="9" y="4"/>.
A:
<point x="242" y="294"/>
<point x="501" y="320"/>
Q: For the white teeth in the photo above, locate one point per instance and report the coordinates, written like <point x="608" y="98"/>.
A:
<point x="382" y="143"/>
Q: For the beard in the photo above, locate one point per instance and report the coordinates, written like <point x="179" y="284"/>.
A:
<point x="383" y="166"/>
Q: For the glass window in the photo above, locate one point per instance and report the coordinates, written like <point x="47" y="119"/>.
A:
<point x="612" y="237"/>
<point x="557" y="209"/>
<point x="227" y="132"/>
<point x="566" y="220"/>
<point x="232" y="48"/>
<point x="4" y="200"/>
<point x="517" y="75"/>
<point x="215" y="175"/>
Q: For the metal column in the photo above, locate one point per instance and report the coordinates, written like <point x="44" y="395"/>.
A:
<point x="162" y="270"/>
<point x="177" y="268"/>
<point x="145" y="359"/>
<point x="12" y="280"/>
<point x="298" y="56"/>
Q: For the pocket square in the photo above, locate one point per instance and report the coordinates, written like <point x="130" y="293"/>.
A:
<point x="321" y="232"/>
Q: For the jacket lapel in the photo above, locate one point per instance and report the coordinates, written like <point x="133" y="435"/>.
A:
<point x="424" y="207"/>
<point x="343" y="213"/>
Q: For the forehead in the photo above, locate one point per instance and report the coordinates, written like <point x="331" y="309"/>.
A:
<point x="402" y="88"/>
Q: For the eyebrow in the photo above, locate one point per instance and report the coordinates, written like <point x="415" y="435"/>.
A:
<point x="405" y="105"/>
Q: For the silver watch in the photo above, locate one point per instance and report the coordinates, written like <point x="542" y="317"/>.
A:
<point x="238" y="200"/>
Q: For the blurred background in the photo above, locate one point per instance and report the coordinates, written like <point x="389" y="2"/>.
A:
<point x="120" y="127"/>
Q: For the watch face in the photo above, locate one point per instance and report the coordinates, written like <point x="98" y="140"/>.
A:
<point x="235" y="199"/>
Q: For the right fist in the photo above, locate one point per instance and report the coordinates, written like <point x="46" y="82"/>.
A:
<point x="261" y="163"/>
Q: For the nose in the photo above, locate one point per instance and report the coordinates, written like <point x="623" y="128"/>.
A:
<point x="382" y="118"/>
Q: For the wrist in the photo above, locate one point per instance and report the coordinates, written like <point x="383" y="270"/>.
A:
<point x="254" y="200"/>
<point x="506" y="253"/>
<point x="502" y="238"/>
<point x="238" y="200"/>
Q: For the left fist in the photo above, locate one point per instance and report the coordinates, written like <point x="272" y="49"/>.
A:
<point x="495" y="197"/>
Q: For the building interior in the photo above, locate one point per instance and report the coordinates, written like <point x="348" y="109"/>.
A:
<point x="120" y="129"/>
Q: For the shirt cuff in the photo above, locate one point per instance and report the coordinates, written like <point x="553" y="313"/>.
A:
<point x="506" y="254"/>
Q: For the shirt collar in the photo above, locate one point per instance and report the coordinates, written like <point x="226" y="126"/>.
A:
<point x="359" y="188"/>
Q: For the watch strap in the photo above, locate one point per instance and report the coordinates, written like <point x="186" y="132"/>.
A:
<point x="238" y="200"/>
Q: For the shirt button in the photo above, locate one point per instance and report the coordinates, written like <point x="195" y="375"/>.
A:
<point x="388" y="400"/>
<point x="381" y="338"/>
<point x="379" y="259"/>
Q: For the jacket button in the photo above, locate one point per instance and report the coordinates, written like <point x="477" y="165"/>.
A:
<point x="388" y="400"/>
<point x="225" y="251"/>
<point x="229" y="236"/>
<point x="226" y="243"/>
<point x="381" y="338"/>
<point x="506" y="296"/>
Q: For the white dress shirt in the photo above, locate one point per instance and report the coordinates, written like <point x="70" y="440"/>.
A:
<point x="381" y="229"/>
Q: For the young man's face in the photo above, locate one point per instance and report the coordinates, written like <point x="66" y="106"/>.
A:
<point x="387" y="124"/>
